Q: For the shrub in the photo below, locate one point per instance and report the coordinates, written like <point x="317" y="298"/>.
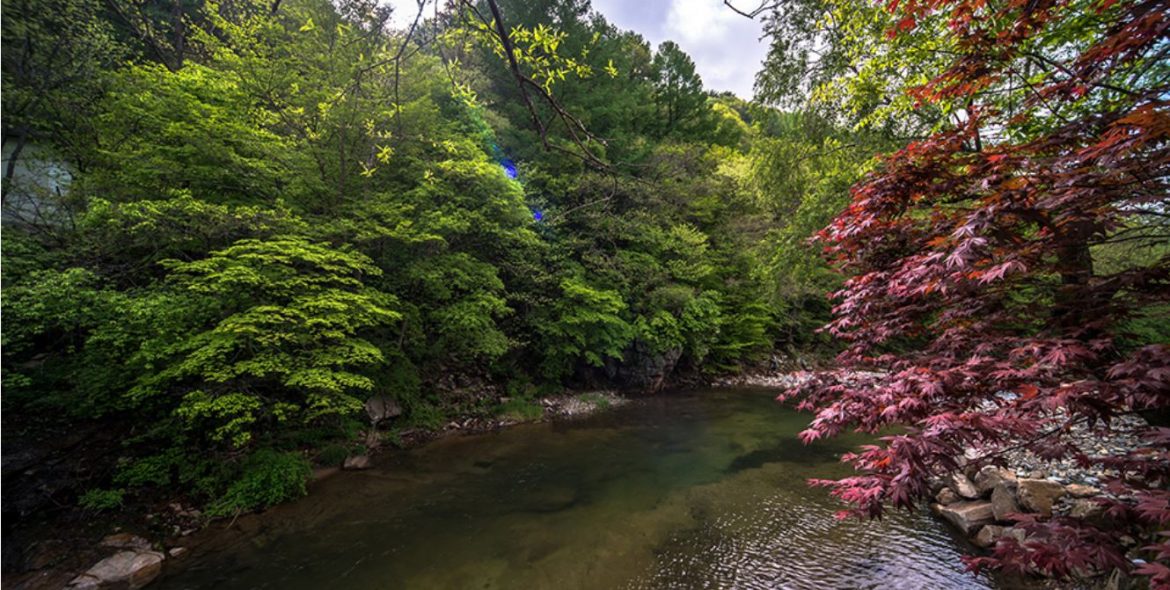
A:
<point x="100" y="500"/>
<point x="267" y="479"/>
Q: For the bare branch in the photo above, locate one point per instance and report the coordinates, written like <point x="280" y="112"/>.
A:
<point x="764" y="6"/>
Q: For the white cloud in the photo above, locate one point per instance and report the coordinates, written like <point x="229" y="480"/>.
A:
<point x="405" y="11"/>
<point x="724" y="45"/>
<point x="699" y="21"/>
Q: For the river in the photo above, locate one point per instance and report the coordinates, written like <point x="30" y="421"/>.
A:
<point x="698" y="489"/>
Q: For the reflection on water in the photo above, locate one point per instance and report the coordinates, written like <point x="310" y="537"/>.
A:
<point x="698" y="490"/>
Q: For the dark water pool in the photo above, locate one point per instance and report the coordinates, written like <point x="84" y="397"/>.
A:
<point x="703" y="489"/>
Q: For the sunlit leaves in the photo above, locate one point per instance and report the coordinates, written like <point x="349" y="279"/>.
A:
<point x="294" y="314"/>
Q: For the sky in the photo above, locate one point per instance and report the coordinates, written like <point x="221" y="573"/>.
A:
<point x="725" y="46"/>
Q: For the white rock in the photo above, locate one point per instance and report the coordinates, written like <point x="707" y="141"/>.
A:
<point x="132" y="568"/>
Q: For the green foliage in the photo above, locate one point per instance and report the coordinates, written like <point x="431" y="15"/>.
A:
<point x="520" y="410"/>
<point x="194" y="129"/>
<point x="596" y="400"/>
<point x="678" y="92"/>
<point x="278" y="214"/>
<point x="267" y="478"/>
<point x="425" y="414"/>
<point x="290" y="315"/>
<point x="586" y="325"/>
<point x="99" y="500"/>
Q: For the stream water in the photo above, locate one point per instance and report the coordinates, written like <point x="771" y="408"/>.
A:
<point x="699" y="489"/>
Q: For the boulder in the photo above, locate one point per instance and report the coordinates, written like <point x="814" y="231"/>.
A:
<point x="357" y="462"/>
<point x="1038" y="495"/>
<point x="1003" y="502"/>
<point x="127" y="568"/>
<point x="991" y="476"/>
<point x="1077" y="490"/>
<point x="946" y="496"/>
<point x="177" y="552"/>
<point x="963" y="486"/>
<point x="966" y="516"/>
<point x="381" y="407"/>
<point x="988" y="535"/>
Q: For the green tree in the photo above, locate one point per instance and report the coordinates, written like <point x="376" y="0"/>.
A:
<point x="678" y="91"/>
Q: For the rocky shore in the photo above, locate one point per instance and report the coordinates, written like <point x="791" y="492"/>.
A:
<point x="985" y="503"/>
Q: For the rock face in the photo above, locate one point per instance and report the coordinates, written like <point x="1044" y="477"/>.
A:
<point x="963" y="486"/>
<point x="357" y="462"/>
<point x="643" y="368"/>
<point x="1038" y="495"/>
<point x="967" y="516"/>
<point x="1003" y="502"/>
<point x="127" y="568"/>
<point x="991" y="476"/>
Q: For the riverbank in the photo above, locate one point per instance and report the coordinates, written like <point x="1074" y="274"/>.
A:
<point x="78" y="549"/>
<point x="974" y="502"/>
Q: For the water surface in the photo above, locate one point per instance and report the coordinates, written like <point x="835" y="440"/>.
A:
<point x="701" y="489"/>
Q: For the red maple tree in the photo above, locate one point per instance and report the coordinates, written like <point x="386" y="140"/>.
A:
<point x="974" y="297"/>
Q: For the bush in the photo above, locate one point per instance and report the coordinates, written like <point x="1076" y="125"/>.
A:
<point x="101" y="500"/>
<point x="268" y="478"/>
